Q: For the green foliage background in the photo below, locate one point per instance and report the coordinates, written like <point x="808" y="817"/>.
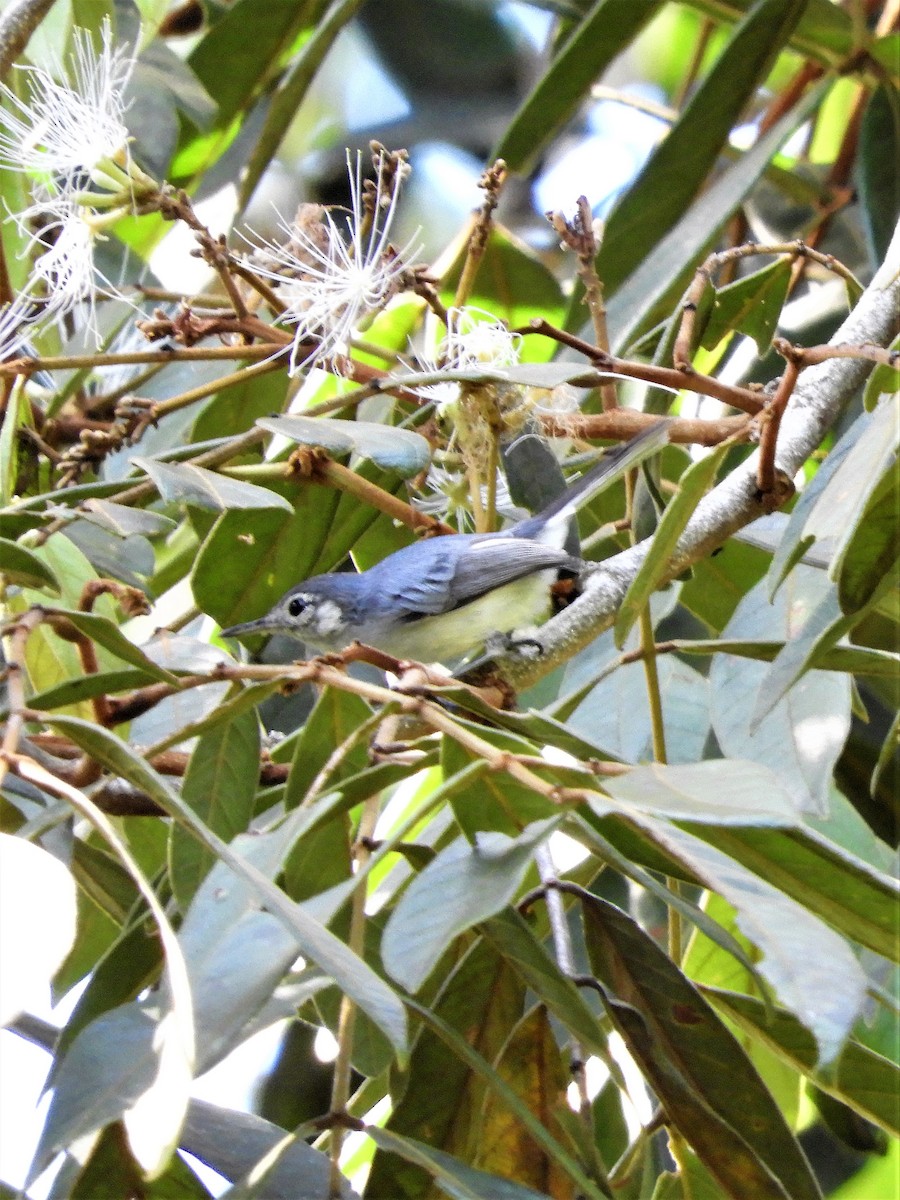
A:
<point x="732" y="915"/>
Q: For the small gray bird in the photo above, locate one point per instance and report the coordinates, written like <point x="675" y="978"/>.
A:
<point x="439" y="599"/>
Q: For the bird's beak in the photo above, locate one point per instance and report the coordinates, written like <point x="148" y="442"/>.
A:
<point x="266" y="624"/>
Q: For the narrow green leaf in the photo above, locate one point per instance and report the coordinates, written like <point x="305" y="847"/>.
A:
<point x="649" y="282"/>
<point x="233" y="1142"/>
<point x="850" y="894"/>
<point x="464" y="884"/>
<point x="709" y="1088"/>
<point x="220" y="785"/>
<point x="857" y="660"/>
<point x="879" y="150"/>
<point x="589" y="834"/>
<point x="454" y="1177"/>
<point x="107" y="634"/>
<point x="693" y="485"/>
<point x="719" y="791"/>
<point x="184" y="482"/>
<point x="866" y="1081"/>
<point x="811" y="968"/>
<point x="480" y="997"/>
<point x="868" y="562"/>
<point x="752" y="305"/>
<point x="655" y="201"/>
<point x="461" y="1047"/>
<point x="125" y="521"/>
<point x="225" y="924"/>
<point x="293" y="87"/>
<point x="349" y="972"/>
<point x="23" y="567"/>
<point x="400" y="450"/>
<point x="336" y="717"/>
<point x="110" y="1067"/>
<point x="103" y="683"/>
<point x="512" y="937"/>
<point x="248" y="61"/>
<point x="603" y="32"/>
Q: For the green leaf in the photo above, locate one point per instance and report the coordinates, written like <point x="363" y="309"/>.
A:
<point x="868" y="562"/>
<point x="249" y="61"/>
<point x="112" y="1172"/>
<point x="252" y="556"/>
<point x="220" y="786"/>
<point x="811" y="968"/>
<point x="113" y="1064"/>
<point x="655" y="201"/>
<point x="291" y="90"/>
<point x="605" y="30"/>
<point x="693" y="485"/>
<point x="830" y="510"/>
<point x="107" y="634"/>
<point x="720" y="791"/>
<point x="819" y="701"/>
<point x="349" y="972"/>
<point x="453" y="1176"/>
<point x="462" y="1048"/>
<point x="225" y="925"/>
<point x="879" y="150"/>
<point x="857" y="660"/>
<point x="697" y="1068"/>
<point x="513" y="938"/>
<point x="335" y="717"/>
<point x="866" y="1081"/>
<point x="218" y="493"/>
<point x="233" y="1142"/>
<point x="399" y="450"/>
<point x="752" y="305"/>
<point x="463" y="885"/>
<point x="24" y="567"/>
<point x="480" y="998"/>
<point x="848" y="892"/>
<point x="124" y="521"/>
<point x="649" y="283"/>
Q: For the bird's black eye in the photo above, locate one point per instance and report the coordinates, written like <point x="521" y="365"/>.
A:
<point x="296" y="606"/>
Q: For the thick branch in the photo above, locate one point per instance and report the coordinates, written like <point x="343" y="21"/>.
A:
<point x="817" y="401"/>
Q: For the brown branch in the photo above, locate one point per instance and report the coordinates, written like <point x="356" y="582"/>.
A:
<point x="579" y="236"/>
<point x="491" y="183"/>
<point x="623" y="423"/>
<point x="737" y="397"/>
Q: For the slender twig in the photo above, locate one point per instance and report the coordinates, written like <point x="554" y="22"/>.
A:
<point x="340" y="1087"/>
<point x="770" y="422"/>
<point x="671" y="377"/>
<point x="491" y="183"/>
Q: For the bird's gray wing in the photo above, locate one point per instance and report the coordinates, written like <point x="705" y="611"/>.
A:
<point x="417" y="581"/>
<point x="435" y="576"/>
<point x="495" y="560"/>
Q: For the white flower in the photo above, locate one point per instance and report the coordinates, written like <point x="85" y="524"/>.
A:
<point x="474" y="342"/>
<point x="69" y="133"/>
<point x="71" y="139"/>
<point x="333" y="282"/>
<point x="474" y="338"/>
<point x="448" y="498"/>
